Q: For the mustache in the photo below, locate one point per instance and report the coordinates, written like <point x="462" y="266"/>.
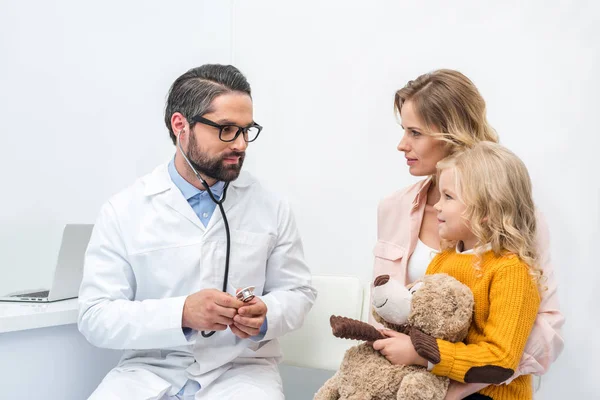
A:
<point x="241" y="154"/>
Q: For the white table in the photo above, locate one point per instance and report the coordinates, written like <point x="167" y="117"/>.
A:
<point x="22" y="316"/>
<point x="43" y="355"/>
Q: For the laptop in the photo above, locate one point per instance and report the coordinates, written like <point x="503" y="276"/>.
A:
<point x="69" y="268"/>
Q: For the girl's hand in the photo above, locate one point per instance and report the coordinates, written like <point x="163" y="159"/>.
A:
<point x="398" y="349"/>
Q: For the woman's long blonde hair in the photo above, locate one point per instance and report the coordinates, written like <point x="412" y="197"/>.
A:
<point x="450" y="106"/>
<point x="495" y="186"/>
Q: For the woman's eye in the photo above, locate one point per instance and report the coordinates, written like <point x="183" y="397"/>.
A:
<point x="415" y="133"/>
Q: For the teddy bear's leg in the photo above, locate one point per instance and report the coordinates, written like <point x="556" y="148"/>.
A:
<point x="329" y="390"/>
<point x="423" y="385"/>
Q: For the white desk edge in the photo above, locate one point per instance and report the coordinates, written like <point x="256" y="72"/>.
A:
<point x="23" y="316"/>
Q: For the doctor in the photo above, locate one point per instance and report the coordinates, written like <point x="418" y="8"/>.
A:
<point x="155" y="265"/>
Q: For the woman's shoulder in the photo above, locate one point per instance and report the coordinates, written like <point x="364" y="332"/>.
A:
<point x="404" y="196"/>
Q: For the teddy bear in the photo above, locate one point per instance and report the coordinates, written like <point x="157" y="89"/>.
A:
<point x="438" y="305"/>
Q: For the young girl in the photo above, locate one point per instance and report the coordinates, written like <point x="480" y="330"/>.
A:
<point x="486" y="220"/>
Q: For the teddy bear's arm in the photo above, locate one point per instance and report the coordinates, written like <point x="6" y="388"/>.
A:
<point x="348" y="328"/>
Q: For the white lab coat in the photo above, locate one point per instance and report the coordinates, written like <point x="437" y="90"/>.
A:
<point x="149" y="250"/>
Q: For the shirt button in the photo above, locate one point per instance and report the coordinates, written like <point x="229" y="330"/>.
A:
<point x="205" y="215"/>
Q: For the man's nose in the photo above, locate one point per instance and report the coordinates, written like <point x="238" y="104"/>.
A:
<point x="239" y="144"/>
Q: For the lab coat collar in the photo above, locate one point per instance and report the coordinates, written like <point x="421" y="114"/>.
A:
<point x="160" y="184"/>
<point x="159" y="181"/>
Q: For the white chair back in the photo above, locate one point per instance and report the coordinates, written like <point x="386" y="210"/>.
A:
<point x="313" y="345"/>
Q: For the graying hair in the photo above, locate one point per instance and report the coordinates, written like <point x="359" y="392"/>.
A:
<point x="192" y="93"/>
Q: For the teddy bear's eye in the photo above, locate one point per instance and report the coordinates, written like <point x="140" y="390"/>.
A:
<point x="415" y="287"/>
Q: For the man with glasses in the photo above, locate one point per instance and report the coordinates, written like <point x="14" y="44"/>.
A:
<point x="156" y="260"/>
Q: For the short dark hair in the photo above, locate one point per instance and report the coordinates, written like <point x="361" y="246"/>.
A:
<point x="193" y="92"/>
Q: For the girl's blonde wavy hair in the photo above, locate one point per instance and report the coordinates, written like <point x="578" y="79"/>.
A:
<point x="495" y="186"/>
<point x="451" y="107"/>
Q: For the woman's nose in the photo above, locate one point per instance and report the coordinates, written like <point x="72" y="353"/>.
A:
<point x="403" y="145"/>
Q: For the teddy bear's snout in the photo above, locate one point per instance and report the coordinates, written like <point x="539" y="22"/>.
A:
<point x="381" y="280"/>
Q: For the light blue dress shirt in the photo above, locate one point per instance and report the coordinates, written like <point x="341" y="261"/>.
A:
<point x="199" y="200"/>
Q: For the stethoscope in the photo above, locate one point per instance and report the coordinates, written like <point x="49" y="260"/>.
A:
<point x="246" y="294"/>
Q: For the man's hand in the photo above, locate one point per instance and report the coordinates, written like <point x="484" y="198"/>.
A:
<point x="249" y="319"/>
<point x="209" y="310"/>
<point x="398" y="349"/>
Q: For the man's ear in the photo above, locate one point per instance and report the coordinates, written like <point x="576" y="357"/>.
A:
<point x="178" y="123"/>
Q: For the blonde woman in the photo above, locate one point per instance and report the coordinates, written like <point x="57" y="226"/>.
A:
<point x="488" y="226"/>
<point x="442" y="113"/>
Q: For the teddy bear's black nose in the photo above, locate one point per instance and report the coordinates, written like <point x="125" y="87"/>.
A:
<point x="381" y="280"/>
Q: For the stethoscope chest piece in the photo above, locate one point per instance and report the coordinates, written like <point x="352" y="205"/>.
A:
<point x="246" y="294"/>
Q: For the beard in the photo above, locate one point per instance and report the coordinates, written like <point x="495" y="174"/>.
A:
<point x="214" y="167"/>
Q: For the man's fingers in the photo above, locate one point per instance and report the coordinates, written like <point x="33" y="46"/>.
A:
<point x="256" y="309"/>
<point x="227" y="300"/>
<point x="255" y="323"/>
<point x="237" y="332"/>
<point x="224" y="311"/>
<point x="219" y="319"/>
<point x="249" y="331"/>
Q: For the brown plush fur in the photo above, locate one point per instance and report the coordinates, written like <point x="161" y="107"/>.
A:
<point x="441" y="307"/>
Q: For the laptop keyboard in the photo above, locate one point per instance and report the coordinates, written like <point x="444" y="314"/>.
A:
<point x="43" y="294"/>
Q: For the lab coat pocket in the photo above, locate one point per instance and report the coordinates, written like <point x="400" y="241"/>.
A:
<point x="249" y="254"/>
<point x="388" y="259"/>
<point x="168" y="272"/>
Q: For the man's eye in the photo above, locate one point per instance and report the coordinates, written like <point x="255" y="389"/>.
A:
<point x="229" y="129"/>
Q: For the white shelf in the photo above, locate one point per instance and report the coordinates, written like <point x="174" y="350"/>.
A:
<point x="22" y="316"/>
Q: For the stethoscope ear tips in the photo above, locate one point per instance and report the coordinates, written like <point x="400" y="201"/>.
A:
<point x="246" y="294"/>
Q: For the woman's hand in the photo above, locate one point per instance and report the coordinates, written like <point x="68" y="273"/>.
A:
<point x="398" y="349"/>
<point x="458" y="391"/>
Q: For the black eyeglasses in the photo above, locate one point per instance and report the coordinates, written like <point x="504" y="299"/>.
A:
<point x="229" y="133"/>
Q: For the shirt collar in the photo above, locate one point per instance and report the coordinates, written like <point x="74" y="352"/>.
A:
<point x="484" y="248"/>
<point x="187" y="189"/>
<point x="422" y="192"/>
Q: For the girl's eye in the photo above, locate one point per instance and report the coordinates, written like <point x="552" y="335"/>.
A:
<point x="448" y="197"/>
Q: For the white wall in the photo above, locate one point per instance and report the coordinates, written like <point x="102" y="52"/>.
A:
<point x="324" y="75"/>
<point x="82" y="92"/>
